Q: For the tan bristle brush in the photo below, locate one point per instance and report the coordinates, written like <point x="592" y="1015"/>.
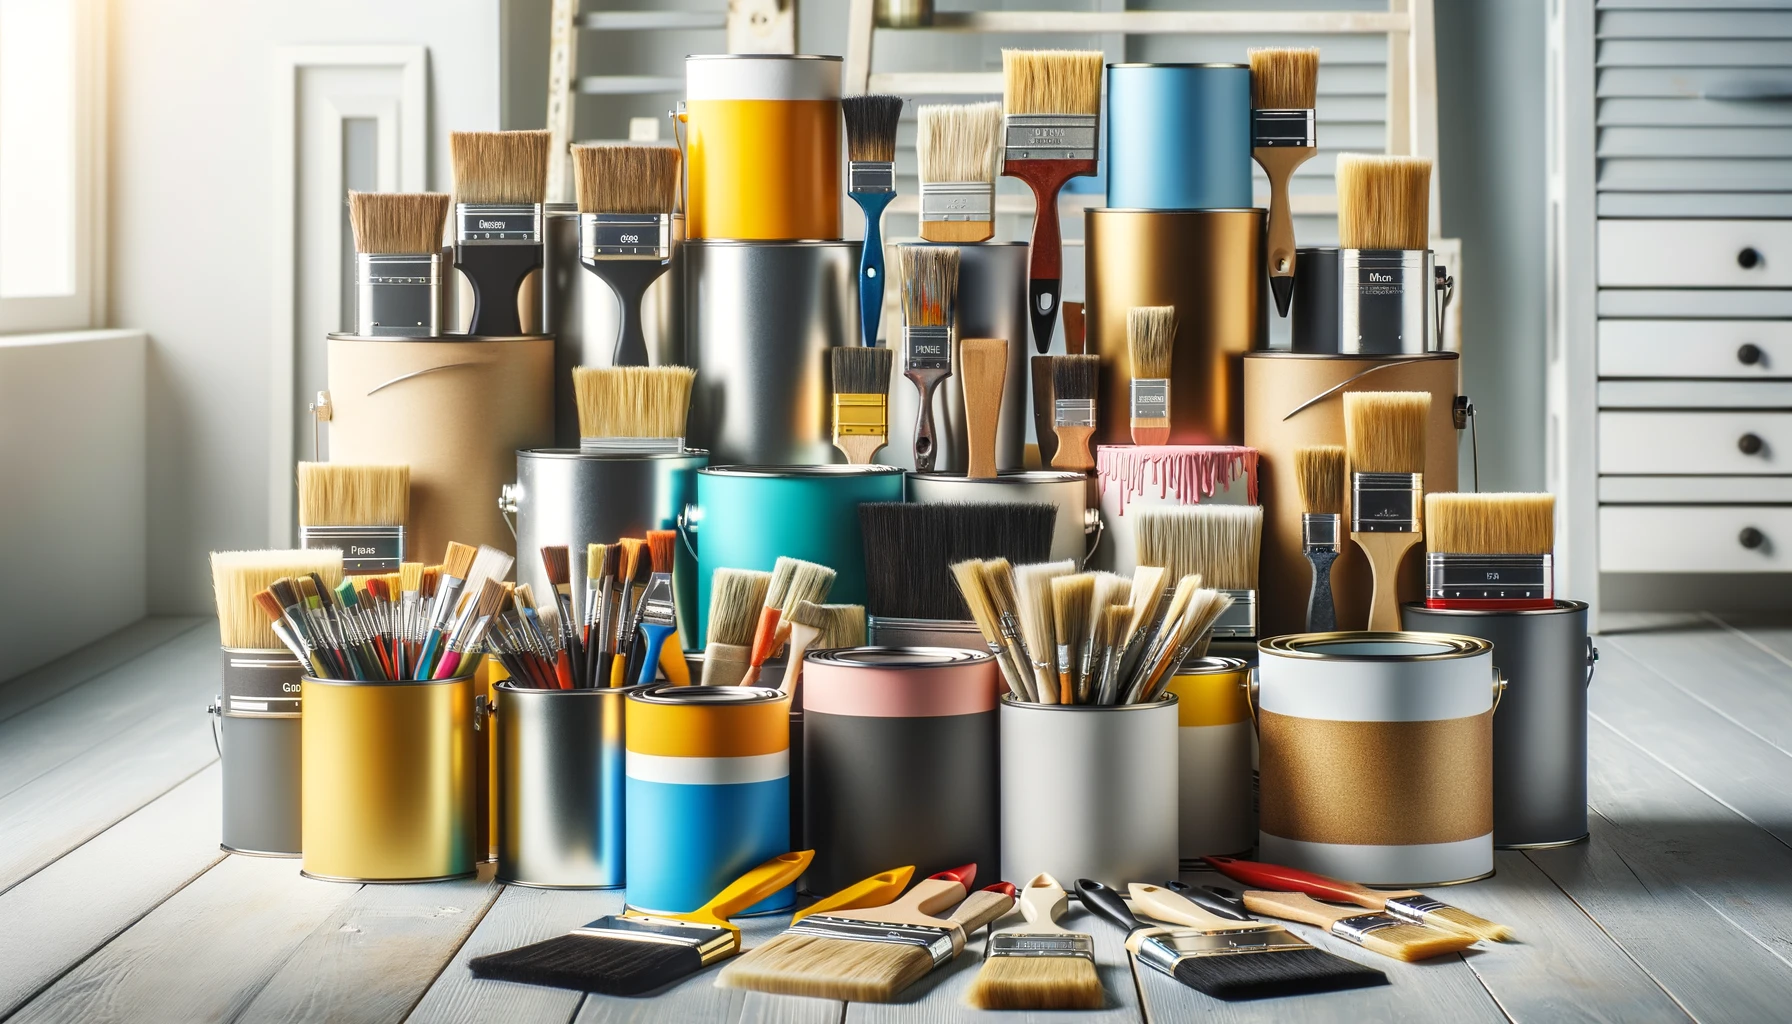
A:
<point x="1319" y="477"/>
<point x="1150" y="340"/>
<point x="929" y="292"/>
<point x="1284" y="91"/>
<point x="633" y="409"/>
<point x="1071" y="597"/>
<point x="1038" y="628"/>
<point x="983" y="372"/>
<point x="1040" y="965"/>
<point x="735" y="599"/>
<point x="238" y="576"/>
<point x="1377" y="933"/>
<point x="500" y="183"/>
<point x="359" y="510"/>
<point x="871" y="182"/>
<point x="1490" y="551"/>
<point x="793" y="582"/>
<point x="627" y="195"/>
<point x="968" y="574"/>
<point x="1384" y="202"/>
<point x="957" y="149"/>
<point x="1408" y="905"/>
<point x="1109" y="609"/>
<point x="861" y="401"/>
<point x="1384" y="448"/>
<point x="1074" y="381"/>
<point x="398" y="243"/>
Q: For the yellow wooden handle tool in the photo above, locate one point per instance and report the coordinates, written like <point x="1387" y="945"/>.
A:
<point x="678" y="671"/>
<point x="879" y="890"/>
<point x="749" y="889"/>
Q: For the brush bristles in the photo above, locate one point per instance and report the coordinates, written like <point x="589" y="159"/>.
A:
<point x="871" y="127"/>
<point x="841" y="625"/>
<point x="1112" y="590"/>
<point x="1071" y="597"/>
<point x="410" y="575"/>
<point x="458" y="559"/>
<point x="633" y="401"/>
<point x="1319" y="475"/>
<point x="1052" y="81"/>
<point x="823" y="968"/>
<point x="929" y="284"/>
<point x="1458" y="920"/>
<point x="1219" y="542"/>
<point x="958" y="142"/>
<point x="794" y="580"/>
<point x="1074" y="377"/>
<point x="1384" y="202"/>
<point x="1036" y="983"/>
<point x="1275" y="972"/>
<point x="1150" y="337"/>
<point x="626" y="179"/>
<point x="1284" y="79"/>
<point x="237" y="576"/>
<point x="735" y="597"/>
<point x="398" y="223"/>
<point x="1411" y="942"/>
<point x="339" y="494"/>
<point x="556" y="559"/>
<point x="609" y="965"/>
<point x="1384" y="431"/>
<point x="910" y="547"/>
<point x="662" y="549"/>
<point x="500" y="167"/>
<point x="1033" y="602"/>
<point x="1490" y="524"/>
<point x="859" y="370"/>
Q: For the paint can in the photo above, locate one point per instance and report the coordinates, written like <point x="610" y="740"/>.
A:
<point x="1077" y="532"/>
<point x="1089" y="791"/>
<point x="747" y="516"/>
<point x="560" y="786"/>
<point x="891" y="631"/>
<point x="1375" y="755"/>
<point x="762" y="146"/>
<point x="1540" y="734"/>
<point x="391" y="780"/>
<point x="992" y="303"/>
<point x="708" y="793"/>
<point x="1371" y="302"/>
<point x="1206" y="263"/>
<point x="1131" y="477"/>
<point x="1179" y="136"/>
<point x="257" y="731"/>
<point x="899" y="756"/>
<point x="1214" y="758"/>
<point x="455" y="411"/>
<point x="760" y="319"/>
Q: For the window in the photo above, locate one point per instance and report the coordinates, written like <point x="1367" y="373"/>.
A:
<point x="51" y="164"/>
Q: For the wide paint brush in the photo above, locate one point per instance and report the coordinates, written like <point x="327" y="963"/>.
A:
<point x="398" y="262"/>
<point x="626" y="199"/>
<point x="633" y="410"/>
<point x="1284" y="91"/>
<point x="929" y="291"/>
<point x="1384" y="447"/>
<point x="1490" y="551"/>
<point x="500" y="183"/>
<point x="871" y="182"/>
<point x="956" y="151"/>
<point x="861" y="380"/>
<point x="1040" y="965"/>
<point x="357" y="509"/>
<point x="1407" y="904"/>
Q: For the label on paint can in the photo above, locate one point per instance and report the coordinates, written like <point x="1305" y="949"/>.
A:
<point x="365" y="549"/>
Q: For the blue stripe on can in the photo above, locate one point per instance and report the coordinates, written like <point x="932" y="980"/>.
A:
<point x="686" y="843"/>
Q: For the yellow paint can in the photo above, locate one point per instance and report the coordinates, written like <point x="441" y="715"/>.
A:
<point x="762" y="146"/>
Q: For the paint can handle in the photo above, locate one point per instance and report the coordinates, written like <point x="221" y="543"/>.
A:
<point x="1592" y="659"/>
<point x="688" y="521"/>
<point x="1093" y="525"/>
<point x="1499" y="690"/>
<point x="216" y="711"/>
<point x="509" y="498"/>
<point x="1250" y="685"/>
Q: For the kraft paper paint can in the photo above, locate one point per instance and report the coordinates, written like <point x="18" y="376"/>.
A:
<point x="1213" y="743"/>
<point x="762" y="146"/>
<point x="258" y="733"/>
<point x="1179" y="136"/>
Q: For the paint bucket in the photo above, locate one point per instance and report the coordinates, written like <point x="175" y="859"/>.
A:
<point x="890" y="631"/>
<point x="391" y="780"/>
<point x="992" y="303"/>
<point x="1215" y="791"/>
<point x="1540" y="734"/>
<point x="708" y="792"/>
<point x="572" y="497"/>
<point x="258" y="730"/>
<point x="1179" y="136"/>
<point x="1209" y="265"/>
<point x="1151" y="476"/>
<point x="899" y="757"/>
<point x="1089" y="791"/>
<point x="560" y="786"/>
<point x="1375" y="755"/>
<point x="455" y="411"/>
<point x="1077" y="532"/>
<point x="762" y="146"/>
<point x="760" y="319"/>
<point x="747" y="516"/>
<point x="1371" y="302"/>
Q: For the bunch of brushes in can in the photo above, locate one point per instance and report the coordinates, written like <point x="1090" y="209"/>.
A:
<point x="1067" y="637"/>
<point x="623" y="631"/>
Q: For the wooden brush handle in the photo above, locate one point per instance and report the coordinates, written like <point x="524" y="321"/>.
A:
<point x="1164" y="905"/>
<point x="1042" y="902"/>
<point x="1278" y="163"/>
<point x="983" y="373"/>
<point x="926" y="443"/>
<point x="801" y="637"/>
<point x="1385" y="550"/>
<point x="1045" y="261"/>
<point x="1294" y="906"/>
<point x="859" y="449"/>
<point x="924" y="903"/>
<point x="1076" y="328"/>
<point x="752" y="887"/>
<point x="879" y="890"/>
<point x="981" y="908"/>
<point x="1274" y="876"/>
<point x="1073" y="449"/>
<point x="1044" y="408"/>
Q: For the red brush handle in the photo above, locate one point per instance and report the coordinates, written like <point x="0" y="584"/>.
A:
<point x="1045" y="256"/>
<point x="1276" y="878"/>
<point x="1005" y="888"/>
<point x="964" y="875"/>
<point x="763" y="638"/>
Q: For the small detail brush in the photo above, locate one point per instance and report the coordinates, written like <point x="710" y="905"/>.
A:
<point x="1071" y="597"/>
<point x="659" y="615"/>
<point x="626" y="199"/>
<point x="1284" y="91"/>
<point x="633" y="409"/>
<point x="1409" y="904"/>
<point x="871" y="182"/>
<point x="358" y="510"/>
<point x="398" y="262"/>
<point x="861" y="401"/>
<point x="955" y="151"/>
<point x="983" y="364"/>
<point x="627" y="664"/>
<point x="500" y="183"/>
<point x="1319" y="477"/>
<point x="1041" y="965"/>
<point x="1150" y="340"/>
<point x="1378" y="933"/>
<point x="1384" y="442"/>
<point x="735" y="599"/>
<point x="1037" y="621"/>
<point x="1073" y="409"/>
<point x="1490" y="551"/>
<point x="929" y="291"/>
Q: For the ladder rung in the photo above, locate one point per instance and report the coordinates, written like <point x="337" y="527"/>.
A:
<point x="647" y="21"/>
<point x="938" y="83"/>
<point x="1142" y="22"/>
<point x="627" y="85"/>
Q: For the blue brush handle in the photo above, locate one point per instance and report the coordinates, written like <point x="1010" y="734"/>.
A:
<point x="650" y="661"/>
<point x="871" y="263"/>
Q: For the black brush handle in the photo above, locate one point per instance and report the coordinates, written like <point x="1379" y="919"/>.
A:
<point x="1230" y="897"/>
<point x="1109" y="905"/>
<point x="496" y="273"/>
<point x="629" y="279"/>
<point x="1322" y="615"/>
<point x="1209" y="902"/>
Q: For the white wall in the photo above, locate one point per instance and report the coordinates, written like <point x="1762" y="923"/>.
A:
<point x="191" y="149"/>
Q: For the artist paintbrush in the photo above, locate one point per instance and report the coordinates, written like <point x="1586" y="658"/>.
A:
<point x="929" y="293"/>
<point x="871" y="182"/>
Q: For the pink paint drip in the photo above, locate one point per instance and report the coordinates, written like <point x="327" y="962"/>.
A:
<point x="1188" y="471"/>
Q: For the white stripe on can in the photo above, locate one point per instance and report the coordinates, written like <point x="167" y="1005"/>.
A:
<point x="708" y="771"/>
<point x="1387" y="686"/>
<point x="761" y="78"/>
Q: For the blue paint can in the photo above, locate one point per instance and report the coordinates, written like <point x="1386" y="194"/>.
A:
<point x="1179" y="136"/>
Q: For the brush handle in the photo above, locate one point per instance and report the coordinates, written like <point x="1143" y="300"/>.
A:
<point x="1322" y="615"/>
<point x="1073" y="449"/>
<point x="750" y="888"/>
<point x="879" y="890"/>
<point x="926" y="444"/>
<point x="671" y="658"/>
<point x="1278" y="163"/>
<point x="1045" y="258"/>
<point x="1174" y="908"/>
<point x="496" y="273"/>
<point x="801" y="637"/>
<point x="629" y="279"/>
<point x="1208" y="898"/>
<point x="924" y="903"/>
<point x="983" y="367"/>
<point x="980" y="908"/>
<point x="1076" y="328"/>
<point x="653" y="643"/>
<point x="1385" y="551"/>
<point x="1274" y="876"/>
<point x="1042" y="903"/>
<point x="765" y="638"/>
<point x="1108" y="905"/>
<point x="563" y="670"/>
<point x="725" y="664"/>
<point x="871" y="264"/>
<point x="1294" y="906"/>
<point x="1044" y="409"/>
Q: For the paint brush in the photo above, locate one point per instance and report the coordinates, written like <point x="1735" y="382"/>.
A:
<point x="1110" y="592"/>
<point x="457" y="562"/>
<point x="871" y="182"/>
<point x="558" y="565"/>
<point x="470" y="640"/>
<point x="1319" y="477"/>
<point x="1041" y="965"/>
<point x="1039" y="369"/>
<point x="929" y="291"/>
<point x="1384" y="202"/>
<point x="1037" y="620"/>
<point x="238" y="576"/>
<point x="795" y="580"/>
<point x="633" y="409"/>
<point x="910" y="548"/>
<point x="500" y="184"/>
<point x="660" y="647"/>
<point x="628" y="612"/>
<point x="1490" y="551"/>
<point x="1071" y="598"/>
<point x="600" y="609"/>
<point x="1050" y="134"/>
<point x="1220" y="543"/>
<point x="626" y="198"/>
<point x="861" y="380"/>
<point x="359" y="510"/>
<point x="1073" y="409"/>
<point x="956" y="154"/>
<point x="1150" y="340"/>
<point x="984" y="376"/>
<point x="1384" y="448"/>
<point x="880" y="889"/>
<point x="1284" y="91"/>
<point x="735" y="599"/>
<point x="968" y="575"/>
<point x="398" y="262"/>
<point x="1408" y="904"/>
<point x="1378" y="933"/>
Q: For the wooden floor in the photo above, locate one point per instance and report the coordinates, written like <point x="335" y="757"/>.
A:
<point x="116" y="904"/>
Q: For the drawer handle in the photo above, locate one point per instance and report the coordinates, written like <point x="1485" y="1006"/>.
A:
<point x="1751" y="538"/>
<point x="1749" y="258"/>
<point x="1749" y="354"/>
<point x="1750" y="444"/>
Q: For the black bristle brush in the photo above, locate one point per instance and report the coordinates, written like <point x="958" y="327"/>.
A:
<point x="910" y="549"/>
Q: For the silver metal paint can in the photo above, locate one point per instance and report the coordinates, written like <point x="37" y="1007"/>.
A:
<point x="992" y="303"/>
<point x="889" y="631"/>
<point x="1387" y="302"/>
<point x="1078" y="531"/>
<point x="1540" y="733"/>
<point x="258" y="738"/>
<point x="1089" y="791"/>
<point x="760" y="318"/>
<point x="561" y="779"/>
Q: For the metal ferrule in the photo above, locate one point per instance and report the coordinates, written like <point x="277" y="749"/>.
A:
<point x="365" y="549"/>
<point x="632" y="445"/>
<point x="497" y="224"/>
<point x="927" y="348"/>
<point x="1355" y="928"/>
<point x="656" y="603"/>
<point x="936" y="941"/>
<point x="1050" y="136"/>
<point x="1319" y="530"/>
<point x="625" y="236"/>
<point x="1488" y="577"/>
<point x="1282" y="128"/>
<point x="1050" y="944"/>
<point x="398" y="295"/>
<point x="1385" y="502"/>
<point x="1167" y="948"/>
<point x="1412" y="909"/>
<point x="861" y="414"/>
<point x="1241" y="618"/>
<point x="1074" y="412"/>
<point x="1064" y="660"/>
<point x="710" y="942"/>
<point x="1151" y="398"/>
<point x="958" y="200"/>
<point x="871" y="176"/>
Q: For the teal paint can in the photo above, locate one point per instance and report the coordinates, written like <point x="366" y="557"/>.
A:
<point x="747" y="516"/>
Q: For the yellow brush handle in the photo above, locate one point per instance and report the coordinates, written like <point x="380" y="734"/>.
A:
<point x="617" y="667"/>
<point x="879" y="890"/>
<point x="1385" y="551"/>
<point x="749" y="889"/>
<point x="678" y="670"/>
